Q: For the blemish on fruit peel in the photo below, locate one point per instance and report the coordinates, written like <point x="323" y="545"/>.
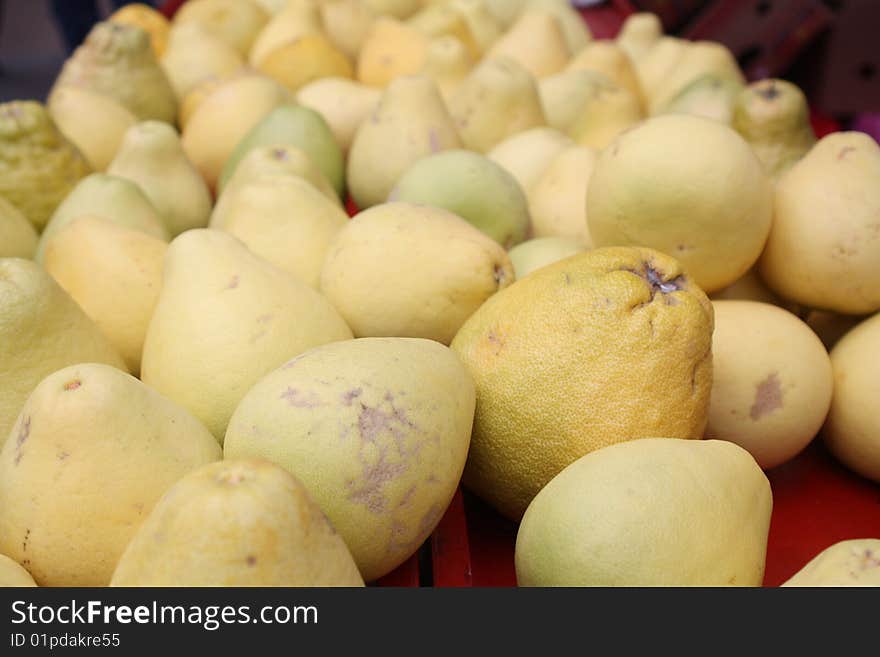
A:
<point x="407" y="497"/>
<point x="372" y="423"/>
<point x="497" y="340"/>
<point x="231" y="477"/>
<point x="292" y="362"/>
<point x="299" y="400"/>
<point x="770" y="91"/>
<point x="768" y="397"/>
<point x="869" y="560"/>
<point x="72" y="385"/>
<point x="657" y="283"/>
<point x="23" y="434"/>
<point x="430" y="519"/>
<point x="370" y="492"/>
<point x="349" y="396"/>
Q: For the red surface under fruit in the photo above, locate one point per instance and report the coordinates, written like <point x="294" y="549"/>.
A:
<point x="816" y="502"/>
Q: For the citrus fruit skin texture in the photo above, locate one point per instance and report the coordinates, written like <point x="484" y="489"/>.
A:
<point x="598" y="348"/>
<point x="93" y="122"/>
<point x="853" y="426"/>
<point x="275" y="163"/>
<point x="556" y="201"/>
<point x="649" y="512"/>
<point x="91" y="452"/>
<point x="42" y="329"/>
<point x="286" y="221"/>
<point x="536" y="253"/>
<point x="772" y="381"/>
<point x="405" y="270"/>
<point x="377" y="429"/>
<point x="238" y="522"/>
<point x="224" y="318"/>
<point x="773" y="115"/>
<point x="236" y="23"/>
<point x="710" y="206"/>
<point x="496" y="100"/>
<point x="473" y="187"/>
<point x="114" y="273"/>
<point x="343" y="103"/>
<point x="112" y="198"/>
<point x="224" y="118"/>
<point x="296" y="126"/>
<point x="152" y="157"/>
<point x="410" y="114"/>
<point x="526" y="154"/>
<point x="536" y="42"/>
<point x="823" y="250"/>
<point x="38" y="164"/>
<point x="854" y="562"/>
<point x="117" y="60"/>
<point x="310" y="57"/>
<point x="18" y="237"/>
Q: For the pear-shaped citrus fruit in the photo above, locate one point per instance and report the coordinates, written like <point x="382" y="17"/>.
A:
<point x="237" y="522"/>
<point x="92" y="451"/>
<point x="310" y="57"/>
<point x="823" y="250"/>
<point x="649" y="512"/>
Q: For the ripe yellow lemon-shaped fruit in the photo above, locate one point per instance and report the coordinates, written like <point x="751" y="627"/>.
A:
<point x="688" y="186"/>
<point x="771" y="381"/>
<point x="592" y="350"/>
